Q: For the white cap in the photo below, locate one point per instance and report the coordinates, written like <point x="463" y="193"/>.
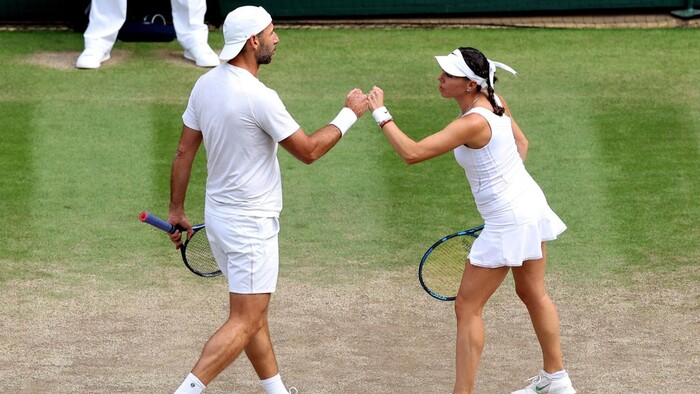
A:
<point x="240" y="25"/>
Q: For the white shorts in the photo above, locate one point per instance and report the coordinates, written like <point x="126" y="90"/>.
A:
<point x="246" y="249"/>
<point x="515" y="237"/>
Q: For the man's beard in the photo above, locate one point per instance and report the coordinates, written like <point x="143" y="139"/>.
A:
<point x="264" y="56"/>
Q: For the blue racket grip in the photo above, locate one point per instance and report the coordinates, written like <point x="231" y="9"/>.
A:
<point x="155" y="221"/>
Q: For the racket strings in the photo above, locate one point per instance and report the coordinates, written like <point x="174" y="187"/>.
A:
<point x="443" y="268"/>
<point x="199" y="256"/>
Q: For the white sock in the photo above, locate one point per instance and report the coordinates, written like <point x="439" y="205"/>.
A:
<point x="191" y="385"/>
<point x="274" y="385"/>
<point x="556" y="375"/>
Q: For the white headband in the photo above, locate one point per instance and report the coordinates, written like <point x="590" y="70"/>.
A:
<point x="454" y="64"/>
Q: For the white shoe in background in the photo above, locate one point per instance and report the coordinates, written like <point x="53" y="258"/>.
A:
<point x="91" y="58"/>
<point x="203" y="56"/>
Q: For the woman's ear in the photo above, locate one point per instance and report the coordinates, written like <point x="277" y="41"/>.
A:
<point x="471" y="85"/>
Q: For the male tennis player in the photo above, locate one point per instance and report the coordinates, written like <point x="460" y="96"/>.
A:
<point x="241" y="121"/>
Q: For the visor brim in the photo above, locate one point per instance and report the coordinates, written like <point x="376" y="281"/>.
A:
<point x="447" y="65"/>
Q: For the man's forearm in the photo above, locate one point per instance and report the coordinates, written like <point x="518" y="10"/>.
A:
<point x="179" y="179"/>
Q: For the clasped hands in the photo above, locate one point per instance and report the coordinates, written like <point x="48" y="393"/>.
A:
<point x="360" y="102"/>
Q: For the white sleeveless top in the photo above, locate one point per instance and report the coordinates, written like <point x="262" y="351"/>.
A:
<point x="496" y="173"/>
<point x="517" y="218"/>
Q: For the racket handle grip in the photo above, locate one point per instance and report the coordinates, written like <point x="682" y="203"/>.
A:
<point x="157" y="222"/>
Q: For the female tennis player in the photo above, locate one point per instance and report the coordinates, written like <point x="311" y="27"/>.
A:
<point x="491" y="148"/>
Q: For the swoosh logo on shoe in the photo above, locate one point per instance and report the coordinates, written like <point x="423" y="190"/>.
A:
<point x="540" y="388"/>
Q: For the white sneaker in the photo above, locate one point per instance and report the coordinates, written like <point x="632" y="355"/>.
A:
<point x="542" y="384"/>
<point x="202" y="56"/>
<point x="91" y="58"/>
<point x="293" y="390"/>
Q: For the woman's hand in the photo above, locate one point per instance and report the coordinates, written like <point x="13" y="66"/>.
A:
<point x="376" y="98"/>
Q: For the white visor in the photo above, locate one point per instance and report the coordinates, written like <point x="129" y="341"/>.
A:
<point x="455" y="65"/>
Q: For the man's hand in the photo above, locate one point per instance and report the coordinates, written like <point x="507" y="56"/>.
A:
<point x="356" y="101"/>
<point x="179" y="221"/>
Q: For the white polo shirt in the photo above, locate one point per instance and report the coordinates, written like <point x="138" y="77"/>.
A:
<point x="242" y="121"/>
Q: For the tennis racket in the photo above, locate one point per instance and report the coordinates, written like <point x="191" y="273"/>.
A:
<point x="441" y="268"/>
<point x="195" y="251"/>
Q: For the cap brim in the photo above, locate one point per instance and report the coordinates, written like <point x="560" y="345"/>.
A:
<point x="447" y="65"/>
<point x="231" y="50"/>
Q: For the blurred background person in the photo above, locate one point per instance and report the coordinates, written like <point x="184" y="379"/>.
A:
<point x="107" y="17"/>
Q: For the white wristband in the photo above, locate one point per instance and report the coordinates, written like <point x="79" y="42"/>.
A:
<point x="381" y="115"/>
<point x="345" y="119"/>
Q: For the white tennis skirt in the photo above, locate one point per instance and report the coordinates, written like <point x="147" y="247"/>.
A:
<point x="513" y="237"/>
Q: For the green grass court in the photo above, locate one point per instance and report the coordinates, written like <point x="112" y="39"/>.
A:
<point x="612" y="116"/>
